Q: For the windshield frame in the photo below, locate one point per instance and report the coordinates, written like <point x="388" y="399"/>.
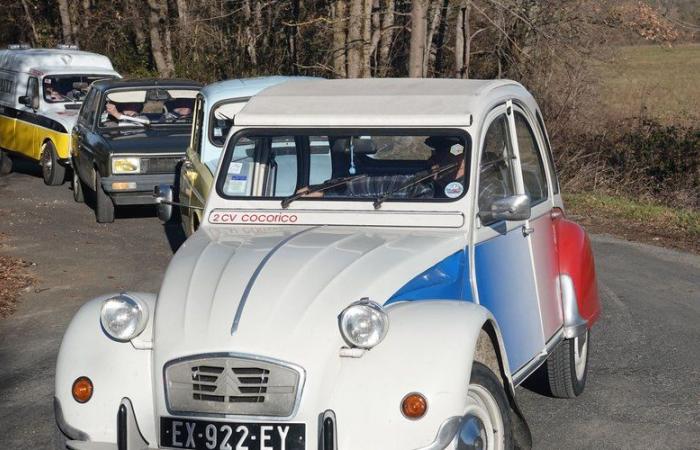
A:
<point x="210" y="118"/>
<point x="106" y="92"/>
<point x="315" y="131"/>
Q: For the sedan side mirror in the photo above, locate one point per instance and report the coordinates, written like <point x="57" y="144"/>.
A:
<point x="516" y="207"/>
<point x="163" y="193"/>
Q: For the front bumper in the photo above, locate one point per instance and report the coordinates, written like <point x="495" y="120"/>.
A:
<point x="135" y="189"/>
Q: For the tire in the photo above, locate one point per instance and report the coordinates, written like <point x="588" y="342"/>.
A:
<point x="487" y="423"/>
<point x="5" y="163"/>
<point x="104" y="207"/>
<point x="567" y="367"/>
<point x="54" y="173"/>
<point x="77" y="186"/>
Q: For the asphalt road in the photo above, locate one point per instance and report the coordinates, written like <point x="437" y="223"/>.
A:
<point x="644" y="381"/>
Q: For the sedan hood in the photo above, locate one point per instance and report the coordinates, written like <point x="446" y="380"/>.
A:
<point x="273" y="291"/>
<point x="147" y="140"/>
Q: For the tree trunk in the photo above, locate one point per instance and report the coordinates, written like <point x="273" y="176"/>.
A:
<point x="85" y="15"/>
<point x="387" y="36"/>
<point x="462" y="41"/>
<point x="340" y="38"/>
<point x="366" y="70"/>
<point x="439" y="66"/>
<point x="355" y="39"/>
<point x="183" y="14"/>
<point x="429" y="56"/>
<point x="160" y="41"/>
<point x="30" y="20"/>
<point x="416" y="53"/>
<point x="66" y="27"/>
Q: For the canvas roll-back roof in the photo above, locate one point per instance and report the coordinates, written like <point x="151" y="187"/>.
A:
<point x="369" y="102"/>
<point x="47" y="59"/>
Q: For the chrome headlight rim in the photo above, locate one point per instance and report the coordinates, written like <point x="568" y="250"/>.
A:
<point x="123" y="317"/>
<point x="370" y="309"/>
<point x="133" y="160"/>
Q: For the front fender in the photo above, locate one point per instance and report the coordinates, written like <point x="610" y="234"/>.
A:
<point x="429" y="349"/>
<point x="117" y="370"/>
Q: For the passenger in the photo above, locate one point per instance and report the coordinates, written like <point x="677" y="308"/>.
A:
<point x="179" y="108"/>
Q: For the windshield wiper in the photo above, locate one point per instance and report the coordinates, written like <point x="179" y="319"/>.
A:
<point x="334" y="182"/>
<point x="413" y="181"/>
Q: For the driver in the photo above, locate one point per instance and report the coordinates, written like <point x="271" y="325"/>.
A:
<point x="124" y="114"/>
<point x="179" y="108"/>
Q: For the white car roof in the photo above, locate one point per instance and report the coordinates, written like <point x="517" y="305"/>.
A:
<point x="374" y="102"/>
<point x="46" y="59"/>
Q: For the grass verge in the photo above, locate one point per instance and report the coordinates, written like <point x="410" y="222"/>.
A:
<point x="636" y="220"/>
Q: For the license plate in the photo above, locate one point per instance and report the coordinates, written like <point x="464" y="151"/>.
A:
<point x="208" y="435"/>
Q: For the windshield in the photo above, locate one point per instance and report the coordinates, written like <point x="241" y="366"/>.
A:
<point x="375" y="165"/>
<point x="141" y="107"/>
<point x="68" y="88"/>
<point x="222" y="120"/>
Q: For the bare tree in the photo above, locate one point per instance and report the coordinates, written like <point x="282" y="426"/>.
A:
<point x="416" y="55"/>
<point x="355" y="42"/>
<point x="66" y="26"/>
<point x="30" y="20"/>
<point x="339" y="50"/>
<point x="160" y="38"/>
<point x="462" y="40"/>
<point x="386" y="39"/>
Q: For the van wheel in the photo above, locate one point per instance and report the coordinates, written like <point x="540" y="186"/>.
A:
<point x="104" y="207"/>
<point x="567" y="367"/>
<point x="53" y="172"/>
<point x="77" y="186"/>
<point x="5" y="163"/>
<point x="487" y="422"/>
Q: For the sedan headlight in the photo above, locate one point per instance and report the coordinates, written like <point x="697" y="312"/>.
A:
<point x="126" y="165"/>
<point x="363" y="324"/>
<point x="123" y="317"/>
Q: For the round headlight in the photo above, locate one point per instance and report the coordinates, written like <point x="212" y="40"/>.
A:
<point x="363" y="324"/>
<point x="123" y="318"/>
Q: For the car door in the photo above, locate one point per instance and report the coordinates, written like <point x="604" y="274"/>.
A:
<point x="503" y="270"/>
<point x="540" y="226"/>
<point x="84" y="124"/>
<point x="26" y="128"/>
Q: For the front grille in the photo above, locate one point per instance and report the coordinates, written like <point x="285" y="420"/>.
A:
<point x="162" y="164"/>
<point x="236" y="385"/>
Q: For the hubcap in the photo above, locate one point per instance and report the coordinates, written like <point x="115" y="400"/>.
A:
<point x="482" y="427"/>
<point x="46" y="161"/>
<point x="580" y="355"/>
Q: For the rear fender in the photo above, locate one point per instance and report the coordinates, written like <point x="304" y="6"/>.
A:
<point x="117" y="370"/>
<point x="576" y="261"/>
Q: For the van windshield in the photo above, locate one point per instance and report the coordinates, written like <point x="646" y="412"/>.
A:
<point x="375" y="165"/>
<point x="68" y="88"/>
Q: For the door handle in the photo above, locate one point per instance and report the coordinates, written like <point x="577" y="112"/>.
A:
<point x="527" y="230"/>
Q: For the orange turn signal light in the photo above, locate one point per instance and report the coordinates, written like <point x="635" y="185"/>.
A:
<point x="414" y="406"/>
<point x="82" y="389"/>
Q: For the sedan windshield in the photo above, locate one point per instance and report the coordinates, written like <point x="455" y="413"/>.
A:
<point x="374" y="165"/>
<point x="141" y="107"/>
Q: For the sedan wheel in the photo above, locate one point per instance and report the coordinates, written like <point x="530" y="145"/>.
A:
<point x="567" y="367"/>
<point x="77" y="186"/>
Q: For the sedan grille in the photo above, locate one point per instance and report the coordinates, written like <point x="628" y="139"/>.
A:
<point x="163" y="164"/>
<point x="233" y="385"/>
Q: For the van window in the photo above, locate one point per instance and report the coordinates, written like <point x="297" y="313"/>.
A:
<point x="68" y="88"/>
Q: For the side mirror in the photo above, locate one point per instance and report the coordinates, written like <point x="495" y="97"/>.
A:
<point x="163" y="193"/>
<point x="516" y="207"/>
<point x="25" y="100"/>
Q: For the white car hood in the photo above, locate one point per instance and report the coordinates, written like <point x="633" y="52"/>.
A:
<point x="293" y="282"/>
<point x="65" y="117"/>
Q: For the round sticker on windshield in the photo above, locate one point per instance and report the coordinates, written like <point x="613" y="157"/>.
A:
<point x="454" y="189"/>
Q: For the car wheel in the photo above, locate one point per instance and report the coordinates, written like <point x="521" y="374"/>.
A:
<point x="487" y="423"/>
<point x="5" y="163"/>
<point x="53" y="172"/>
<point x="77" y="186"/>
<point x="104" y="207"/>
<point x="567" y="367"/>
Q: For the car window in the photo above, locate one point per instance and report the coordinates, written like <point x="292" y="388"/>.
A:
<point x="496" y="179"/>
<point x="196" y="139"/>
<point x="282" y="167"/>
<point x="550" y="157"/>
<point x="33" y="91"/>
<point x="87" y="113"/>
<point x="534" y="177"/>
<point x="320" y="160"/>
<point x="221" y="120"/>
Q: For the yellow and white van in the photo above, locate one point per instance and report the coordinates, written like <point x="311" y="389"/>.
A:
<point x="41" y="91"/>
